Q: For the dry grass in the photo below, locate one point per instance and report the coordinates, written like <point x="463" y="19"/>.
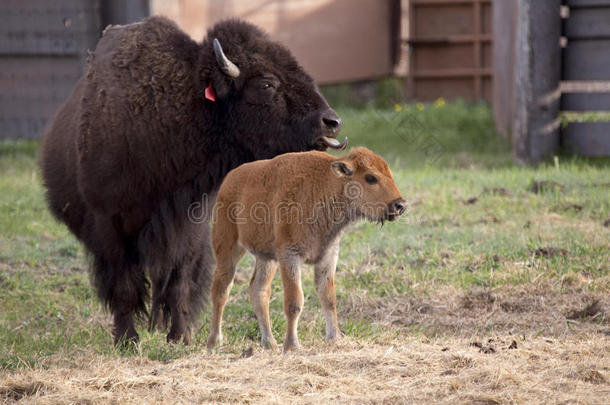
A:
<point x="537" y="308"/>
<point x="539" y="370"/>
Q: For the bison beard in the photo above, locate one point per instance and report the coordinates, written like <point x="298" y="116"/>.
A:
<point x="137" y="143"/>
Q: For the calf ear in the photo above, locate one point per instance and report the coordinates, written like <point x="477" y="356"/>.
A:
<point x="342" y="169"/>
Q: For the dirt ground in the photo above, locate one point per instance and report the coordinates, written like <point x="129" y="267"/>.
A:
<point x="505" y="346"/>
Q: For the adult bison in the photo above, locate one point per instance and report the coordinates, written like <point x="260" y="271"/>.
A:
<point x="155" y="124"/>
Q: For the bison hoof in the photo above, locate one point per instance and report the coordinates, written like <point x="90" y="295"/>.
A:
<point x="175" y="337"/>
<point x="127" y="339"/>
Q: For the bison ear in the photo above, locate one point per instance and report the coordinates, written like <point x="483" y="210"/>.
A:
<point x="342" y="169"/>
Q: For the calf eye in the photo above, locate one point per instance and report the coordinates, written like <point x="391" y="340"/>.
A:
<point x="369" y="178"/>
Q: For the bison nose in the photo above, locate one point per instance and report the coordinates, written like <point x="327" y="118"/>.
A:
<point x="331" y="121"/>
<point x="398" y="206"/>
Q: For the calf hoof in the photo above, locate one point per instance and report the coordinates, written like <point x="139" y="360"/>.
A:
<point x="214" y="340"/>
<point x="268" y="343"/>
<point x="291" y="345"/>
<point x="333" y="336"/>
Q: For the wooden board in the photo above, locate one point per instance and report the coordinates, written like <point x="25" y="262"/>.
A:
<point x="587" y="138"/>
<point x="587" y="60"/>
<point x="585" y="102"/>
<point x="587" y="23"/>
<point x="587" y="3"/>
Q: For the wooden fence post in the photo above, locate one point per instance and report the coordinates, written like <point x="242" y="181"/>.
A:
<point x="537" y="75"/>
<point x="504" y="15"/>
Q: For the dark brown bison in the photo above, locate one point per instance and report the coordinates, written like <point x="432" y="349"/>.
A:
<point x="156" y="123"/>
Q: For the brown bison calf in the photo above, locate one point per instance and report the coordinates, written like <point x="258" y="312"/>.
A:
<point x="292" y="209"/>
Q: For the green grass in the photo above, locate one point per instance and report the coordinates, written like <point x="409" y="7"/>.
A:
<point x="441" y="155"/>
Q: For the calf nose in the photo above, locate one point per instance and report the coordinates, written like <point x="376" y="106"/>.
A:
<point x="398" y="206"/>
<point x="331" y="121"/>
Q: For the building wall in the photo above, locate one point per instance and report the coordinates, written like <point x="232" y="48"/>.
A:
<point x="334" y="40"/>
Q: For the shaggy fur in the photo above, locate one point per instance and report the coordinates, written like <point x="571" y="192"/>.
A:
<point x="136" y="144"/>
<point x="292" y="210"/>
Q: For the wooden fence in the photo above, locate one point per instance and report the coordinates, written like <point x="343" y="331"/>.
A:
<point x="450" y="49"/>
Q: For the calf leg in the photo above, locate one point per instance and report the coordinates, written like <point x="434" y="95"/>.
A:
<point x="324" y="276"/>
<point x="260" y="291"/>
<point x="222" y="282"/>
<point x="293" y="299"/>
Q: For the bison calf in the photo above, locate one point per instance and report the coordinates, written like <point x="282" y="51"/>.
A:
<point x="293" y="209"/>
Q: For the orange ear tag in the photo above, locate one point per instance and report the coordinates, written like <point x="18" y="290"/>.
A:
<point x="209" y="92"/>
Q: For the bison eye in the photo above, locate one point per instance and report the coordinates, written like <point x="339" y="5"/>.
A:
<point x="369" y="178"/>
<point x="266" y="86"/>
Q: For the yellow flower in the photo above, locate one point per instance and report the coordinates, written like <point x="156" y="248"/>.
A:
<point x="398" y="107"/>
<point x="439" y="102"/>
<point x="420" y="107"/>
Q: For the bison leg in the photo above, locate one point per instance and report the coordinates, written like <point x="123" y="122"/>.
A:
<point x="260" y="291"/>
<point x="123" y="288"/>
<point x="290" y="267"/>
<point x="157" y="312"/>
<point x="189" y="285"/>
<point x="177" y="301"/>
<point x="324" y="276"/>
<point x="129" y="291"/>
<point x="226" y="260"/>
<point x="119" y="279"/>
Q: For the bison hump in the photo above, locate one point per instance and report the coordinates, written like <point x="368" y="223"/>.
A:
<point x="134" y="109"/>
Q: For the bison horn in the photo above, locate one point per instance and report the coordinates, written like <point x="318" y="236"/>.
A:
<point x="225" y="64"/>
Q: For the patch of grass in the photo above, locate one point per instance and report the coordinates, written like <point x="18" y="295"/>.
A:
<point x="413" y="136"/>
<point x="472" y="224"/>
